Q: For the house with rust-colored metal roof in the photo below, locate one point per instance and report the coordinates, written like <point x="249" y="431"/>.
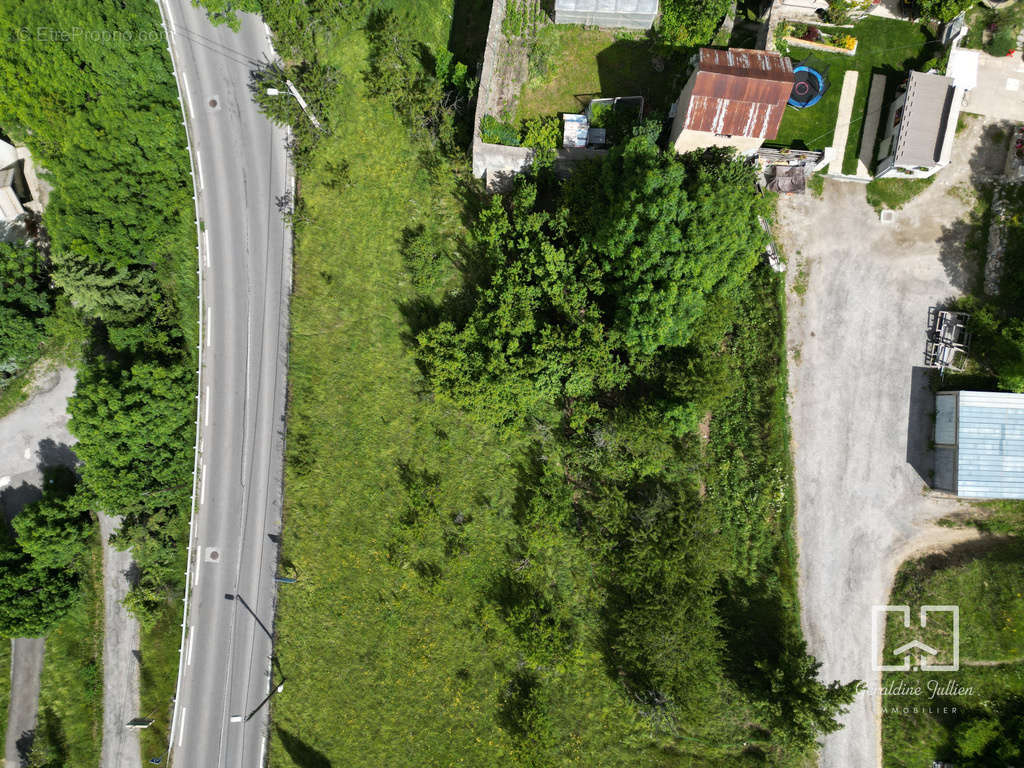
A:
<point x="734" y="98"/>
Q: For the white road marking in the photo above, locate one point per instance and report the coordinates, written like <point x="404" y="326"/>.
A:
<point x="209" y="323"/>
<point x="202" y="489"/>
<point x="263" y="749"/>
<point x="206" y="407"/>
<point x="199" y="563"/>
<point x="199" y="170"/>
<point x="184" y="85"/>
<point x="28" y="453"/>
<point x="191" y="637"/>
<point x="181" y="733"/>
<point x="206" y="248"/>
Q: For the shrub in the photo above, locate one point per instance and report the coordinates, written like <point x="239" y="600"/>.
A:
<point x="849" y="42"/>
<point x="495" y="131"/>
<point x="541" y="134"/>
<point x="1004" y="41"/>
<point x="798" y="30"/>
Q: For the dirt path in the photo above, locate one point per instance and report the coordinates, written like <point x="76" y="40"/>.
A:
<point x="861" y="409"/>
<point x="26" y="669"/>
<point x="120" y="663"/>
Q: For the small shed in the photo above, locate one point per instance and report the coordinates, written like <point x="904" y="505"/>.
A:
<point x="734" y="98"/>
<point x="636" y="14"/>
<point x="979" y="444"/>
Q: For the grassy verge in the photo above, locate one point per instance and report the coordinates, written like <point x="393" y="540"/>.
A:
<point x="13" y="394"/>
<point x="956" y="716"/>
<point x="895" y="193"/>
<point x="883" y="46"/>
<point x="569" y="62"/>
<point x="158" y="671"/>
<point x="71" y="690"/>
<point x="5" y="684"/>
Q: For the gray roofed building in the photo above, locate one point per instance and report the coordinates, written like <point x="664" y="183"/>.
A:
<point x="919" y="134"/>
<point x="979" y="444"/>
<point x="637" y="14"/>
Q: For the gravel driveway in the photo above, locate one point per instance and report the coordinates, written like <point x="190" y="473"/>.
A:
<point x="859" y="292"/>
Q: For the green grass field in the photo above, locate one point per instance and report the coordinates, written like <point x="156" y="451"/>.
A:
<point x="570" y="64"/>
<point x="895" y="193"/>
<point x="884" y="46"/>
<point x="5" y="683"/>
<point x="71" y="688"/>
<point x="986" y="581"/>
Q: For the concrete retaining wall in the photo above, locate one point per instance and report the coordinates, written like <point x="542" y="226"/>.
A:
<point x="501" y="79"/>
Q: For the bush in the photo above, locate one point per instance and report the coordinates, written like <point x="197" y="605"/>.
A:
<point x="495" y="131"/>
<point x="1004" y="41"/>
<point x="542" y="135"/>
<point x="812" y="35"/>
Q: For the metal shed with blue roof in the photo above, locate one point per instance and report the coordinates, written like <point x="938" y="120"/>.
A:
<point x="979" y="444"/>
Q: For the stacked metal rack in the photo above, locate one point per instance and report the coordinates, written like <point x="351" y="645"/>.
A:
<point x="947" y="341"/>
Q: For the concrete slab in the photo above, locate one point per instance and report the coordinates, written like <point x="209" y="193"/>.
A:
<point x="871" y="120"/>
<point x="998" y="92"/>
<point x="843" y="121"/>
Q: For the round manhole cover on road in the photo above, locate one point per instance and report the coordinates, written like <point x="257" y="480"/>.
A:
<point x="212" y="555"/>
<point x="213" y="103"/>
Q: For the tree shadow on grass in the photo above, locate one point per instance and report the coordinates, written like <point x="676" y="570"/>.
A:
<point x="301" y="753"/>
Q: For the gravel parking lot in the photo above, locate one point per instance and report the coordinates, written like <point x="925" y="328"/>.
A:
<point x="859" y="292"/>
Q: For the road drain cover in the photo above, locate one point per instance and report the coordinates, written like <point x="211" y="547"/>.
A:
<point x="212" y="555"/>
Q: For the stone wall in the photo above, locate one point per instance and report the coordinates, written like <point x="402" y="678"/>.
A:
<point x="501" y="78"/>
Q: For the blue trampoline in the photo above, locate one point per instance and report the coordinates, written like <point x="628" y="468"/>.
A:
<point x="808" y="87"/>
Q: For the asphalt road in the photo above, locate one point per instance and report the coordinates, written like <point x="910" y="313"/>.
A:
<point x="242" y="170"/>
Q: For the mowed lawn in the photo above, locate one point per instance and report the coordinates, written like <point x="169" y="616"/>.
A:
<point x="387" y="664"/>
<point x="884" y="46"/>
<point x="571" y="64"/>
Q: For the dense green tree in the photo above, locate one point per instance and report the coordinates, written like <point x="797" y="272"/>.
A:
<point x="799" y="706"/>
<point x="31" y="599"/>
<point x="582" y="298"/>
<point x="942" y="10"/>
<point x="25" y="301"/>
<point x="691" y="22"/>
<point x="54" y="531"/>
<point x="38" y="568"/>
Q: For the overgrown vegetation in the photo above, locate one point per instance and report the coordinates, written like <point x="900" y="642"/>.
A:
<point x="70" y="719"/>
<point x="102" y="117"/>
<point x="979" y="720"/>
<point x="994" y="30"/>
<point x="504" y="572"/>
<point x="690" y="23"/>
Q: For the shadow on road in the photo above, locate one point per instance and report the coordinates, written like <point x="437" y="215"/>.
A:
<point x="920" y="454"/>
<point x="301" y="753"/>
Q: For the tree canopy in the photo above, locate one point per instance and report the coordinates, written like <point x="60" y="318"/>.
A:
<point x="582" y="297"/>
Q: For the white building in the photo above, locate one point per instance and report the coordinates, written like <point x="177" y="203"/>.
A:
<point x="919" y="132"/>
